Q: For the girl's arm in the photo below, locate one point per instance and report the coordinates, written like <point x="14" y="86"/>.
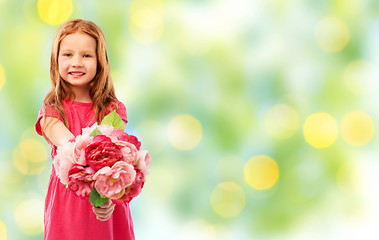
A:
<point x="58" y="134"/>
<point x="55" y="131"/>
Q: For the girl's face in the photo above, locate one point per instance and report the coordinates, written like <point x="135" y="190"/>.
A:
<point x="77" y="59"/>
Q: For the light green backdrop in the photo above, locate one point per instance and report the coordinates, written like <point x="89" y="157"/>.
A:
<point x="260" y="115"/>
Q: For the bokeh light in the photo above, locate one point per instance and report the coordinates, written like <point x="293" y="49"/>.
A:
<point x="55" y="12"/>
<point x="218" y="232"/>
<point x="357" y="128"/>
<point x="348" y="178"/>
<point x="30" y="157"/>
<point x="261" y="172"/>
<point x="320" y="130"/>
<point x="185" y="132"/>
<point x="146" y="20"/>
<point x="332" y="34"/>
<point x="201" y="230"/>
<point x="3" y="231"/>
<point x="33" y="150"/>
<point x="2" y="77"/>
<point x="29" y="217"/>
<point x="281" y="121"/>
<point x="228" y="199"/>
<point x="10" y="175"/>
<point x="360" y="77"/>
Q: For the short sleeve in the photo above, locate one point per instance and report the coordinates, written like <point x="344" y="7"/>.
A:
<point x="121" y="110"/>
<point x="47" y="111"/>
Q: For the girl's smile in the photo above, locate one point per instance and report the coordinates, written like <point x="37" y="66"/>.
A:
<point x="76" y="73"/>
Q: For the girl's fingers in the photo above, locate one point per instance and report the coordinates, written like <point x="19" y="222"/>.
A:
<point x="103" y="217"/>
<point x="107" y="204"/>
<point x="104" y="212"/>
<point x="99" y="210"/>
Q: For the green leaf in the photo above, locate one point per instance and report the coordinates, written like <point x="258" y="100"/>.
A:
<point x="96" y="199"/>
<point x="95" y="132"/>
<point x="114" y="120"/>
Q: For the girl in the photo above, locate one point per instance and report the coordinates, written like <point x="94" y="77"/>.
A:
<point x="82" y="93"/>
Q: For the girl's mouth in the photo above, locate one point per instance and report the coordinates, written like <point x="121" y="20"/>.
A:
<point x="76" y="73"/>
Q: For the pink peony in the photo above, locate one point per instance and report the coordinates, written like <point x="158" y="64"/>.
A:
<point x="143" y="161"/>
<point x="123" y="136"/>
<point x="81" y="143"/>
<point x="113" y="133"/>
<point x="119" y="134"/>
<point x="102" y="152"/>
<point x="129" y="151"/>
<point x="134" y="140"/>
<point x="106" y="130"/>
<point x="81" y="180"/>
<point x="63" y="161"/>
<point x="111" y="182"/>
<point x="88" y="130"/>
<point x="135" y="188"/>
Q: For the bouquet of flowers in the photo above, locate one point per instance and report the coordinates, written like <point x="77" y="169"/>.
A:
<point x="103" y="162"/>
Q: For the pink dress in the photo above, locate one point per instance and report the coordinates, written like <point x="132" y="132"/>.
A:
<point x="68" y="216"/>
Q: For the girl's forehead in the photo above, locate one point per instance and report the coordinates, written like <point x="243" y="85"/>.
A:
<point x="78" y="40"/>
<point x="78" y="34"/>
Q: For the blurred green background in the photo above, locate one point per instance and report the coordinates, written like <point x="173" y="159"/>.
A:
<point x="259" y="114"/>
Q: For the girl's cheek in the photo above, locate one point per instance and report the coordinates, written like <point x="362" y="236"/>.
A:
<point x="62" y="65"/>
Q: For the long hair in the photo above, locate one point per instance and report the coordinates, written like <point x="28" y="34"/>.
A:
<point x="101" y="88"/>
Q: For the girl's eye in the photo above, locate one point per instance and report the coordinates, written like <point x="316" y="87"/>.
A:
<point x="87" y="56"/>
<point x="67" y="54"/>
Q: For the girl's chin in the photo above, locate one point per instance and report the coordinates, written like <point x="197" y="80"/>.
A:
<point x="77" y="83"/>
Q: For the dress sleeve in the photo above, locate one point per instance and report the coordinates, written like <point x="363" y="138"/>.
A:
<point x="121" y="110"/>
<point x="47" y="111"/>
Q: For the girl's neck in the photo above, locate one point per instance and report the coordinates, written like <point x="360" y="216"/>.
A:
<point x="83" y="100"/>
<point x="81" y="94"/>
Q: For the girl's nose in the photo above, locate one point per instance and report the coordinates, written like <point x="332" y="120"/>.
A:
<point x="77" y="61"/>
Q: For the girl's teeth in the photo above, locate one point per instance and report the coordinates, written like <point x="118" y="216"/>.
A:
<point x="77" y="74"/>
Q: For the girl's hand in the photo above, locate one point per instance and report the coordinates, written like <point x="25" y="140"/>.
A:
<point x="104" y="212"/>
